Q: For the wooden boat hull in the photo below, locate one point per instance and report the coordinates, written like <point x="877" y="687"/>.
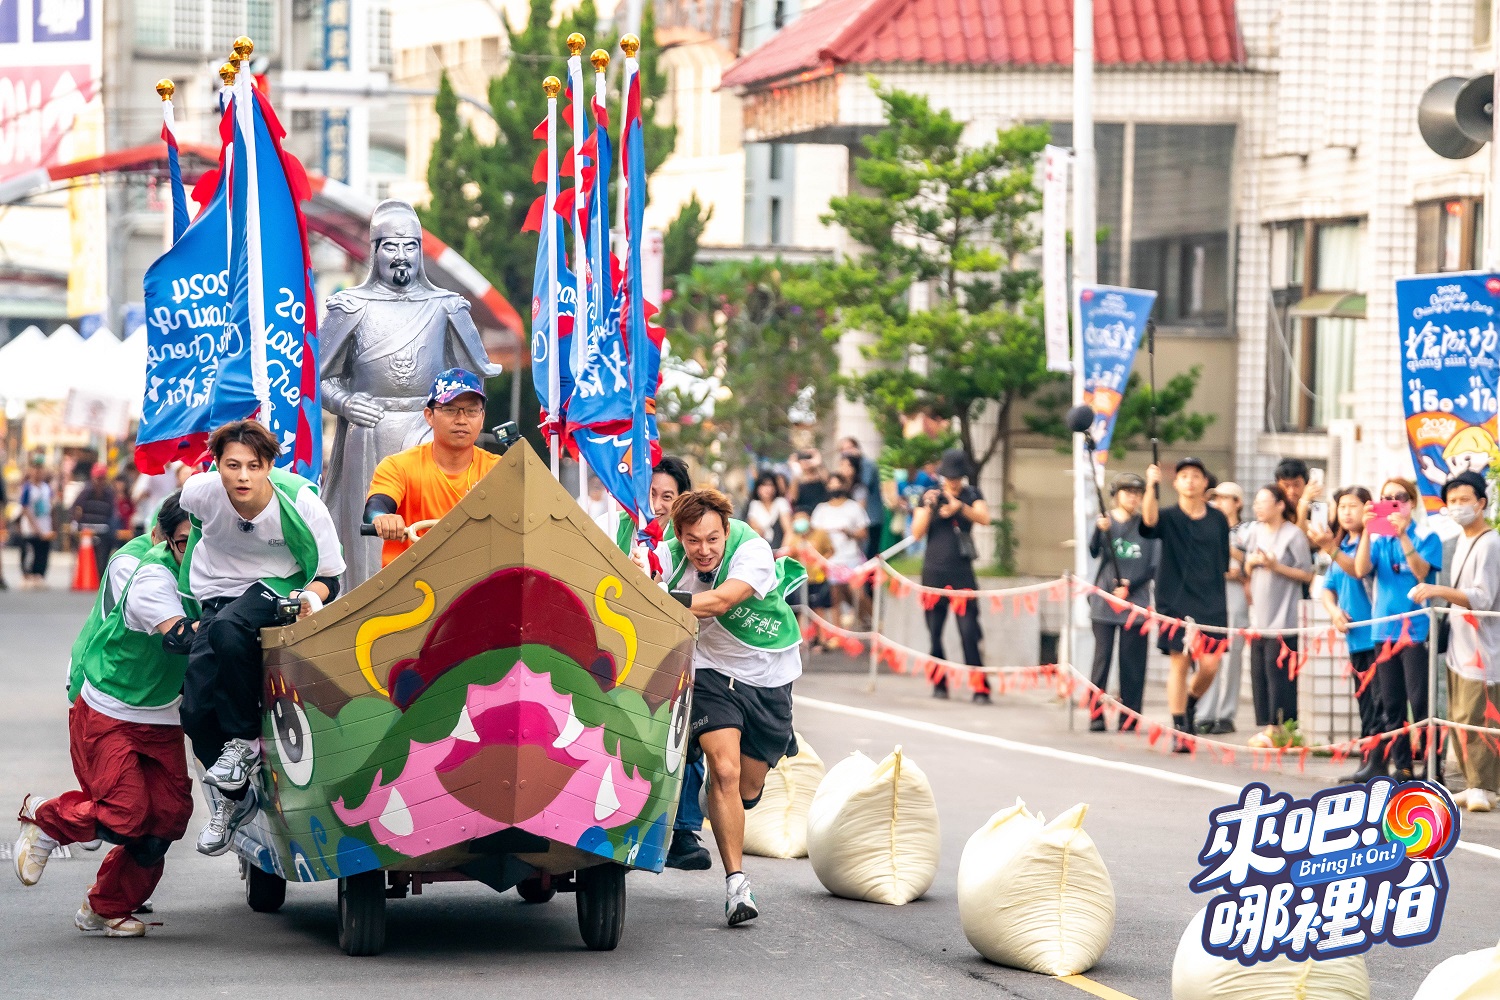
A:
<point x="510" y="695"/>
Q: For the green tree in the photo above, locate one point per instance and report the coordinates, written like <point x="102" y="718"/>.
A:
<point x="956" y="219"/>
<point x="1174" y="421"/>
<point x="734" y="322"/>
<point x="680" y="241"/>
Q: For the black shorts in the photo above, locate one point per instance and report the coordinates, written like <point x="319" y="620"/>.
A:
<point x="1170" y="641"/>
<point x="762" y="715"/>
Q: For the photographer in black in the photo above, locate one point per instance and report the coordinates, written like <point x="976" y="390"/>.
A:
<point x="946" y="517"/>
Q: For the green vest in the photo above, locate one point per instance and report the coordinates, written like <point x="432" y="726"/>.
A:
<point x="624" y="532"/>
<point x="766" y="623"/>
<point x="127" y="665"/>
<point x="104" y="603"/>
<point x="285" y="487"/>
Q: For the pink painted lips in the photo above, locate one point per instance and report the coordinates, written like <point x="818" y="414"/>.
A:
<point x="517" y="757"/>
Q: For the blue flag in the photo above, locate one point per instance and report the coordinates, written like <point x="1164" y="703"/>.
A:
<point x="273" y="378"/>
<point x="1113" y="321"/>
<point x="551" y="242"/>
<point x="638" y="338"/>
<point x="187" y="332"/>
<point x="1450" y="345"/>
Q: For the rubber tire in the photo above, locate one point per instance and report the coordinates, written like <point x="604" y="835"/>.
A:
<point x="264" y="892"/>
<point x="601" y="906"/>
<point x="531" y="891"/>
<point x="362" y="913"/>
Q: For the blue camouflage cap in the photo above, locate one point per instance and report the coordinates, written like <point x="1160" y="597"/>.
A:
<point x="453" y="383"/>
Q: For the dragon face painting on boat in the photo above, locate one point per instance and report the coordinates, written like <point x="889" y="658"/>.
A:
<point x="510" y="716"/>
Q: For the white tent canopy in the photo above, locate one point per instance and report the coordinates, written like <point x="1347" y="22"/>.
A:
<point x="35" y="368"/>
<point x="18" y="361"/>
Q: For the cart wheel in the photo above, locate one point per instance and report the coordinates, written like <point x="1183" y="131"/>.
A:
<point x="601" y="906"/>
<point x="533" y="890"/>
<point x="362" y="913"/>
<point x="263" y="891"/>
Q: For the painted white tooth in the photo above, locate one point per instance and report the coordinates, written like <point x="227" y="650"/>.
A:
<point x="571" y="731"/>
<point x="395" y="817"/>
<point x="607" y="802"/>
<point x="464" y="730"/>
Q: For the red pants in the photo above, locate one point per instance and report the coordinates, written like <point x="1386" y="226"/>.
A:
<point x="135" y="792"/>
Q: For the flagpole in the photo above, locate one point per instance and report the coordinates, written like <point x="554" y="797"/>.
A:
<point x="640" y="452"/>
<point x="244" y="102"/>
<point x="581" y="323"/>
<point x="227" y="73"/>
<point x="551" y="86"/>
<point x="165" y="89"/>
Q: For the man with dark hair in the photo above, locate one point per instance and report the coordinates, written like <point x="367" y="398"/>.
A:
<point x="1189" y="586"/>
<point x="747" y="657"/>
<point x="669" y="480"/>
<point x="425" y="482"/>
<point x="259" y="533"/>
<point x="125" y="737"/>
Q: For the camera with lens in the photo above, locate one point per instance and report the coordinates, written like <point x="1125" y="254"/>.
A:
<point x="288" y="610"/>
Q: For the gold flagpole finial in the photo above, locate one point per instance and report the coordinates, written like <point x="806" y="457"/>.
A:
<point x="551" y="86"/>
<point x="227" y="73"/>
<point x="243" y="46"/>
<point x="576" y="42"/>
<point x="630" y="45"/>
<point x="600" y="59"/>
<point x="165" y="89"/>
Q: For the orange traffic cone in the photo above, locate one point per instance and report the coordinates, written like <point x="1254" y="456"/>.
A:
<point x="86" y="574"/>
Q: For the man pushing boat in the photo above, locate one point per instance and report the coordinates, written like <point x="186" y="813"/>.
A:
<point x="746" y="659"/>
<point x="124" y="734"/>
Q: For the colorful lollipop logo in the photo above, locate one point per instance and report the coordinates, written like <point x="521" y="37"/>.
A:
<point x="1422" y="817"/>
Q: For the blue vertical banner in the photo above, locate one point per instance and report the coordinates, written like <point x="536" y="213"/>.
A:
<point x="1448" y="375"/>
<point x="1114" y="321"/>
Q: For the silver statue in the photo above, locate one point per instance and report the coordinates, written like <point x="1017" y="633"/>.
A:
<point x="383" y="342"/>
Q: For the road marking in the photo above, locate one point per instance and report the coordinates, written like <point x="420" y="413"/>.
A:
<point x="1037" y="750"/>
<point x="1089" y="986"/>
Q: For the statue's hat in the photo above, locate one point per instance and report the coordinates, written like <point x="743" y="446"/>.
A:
<point x="394" y="220"/>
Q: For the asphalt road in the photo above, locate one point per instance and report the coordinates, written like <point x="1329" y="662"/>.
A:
<point x="458" y="939"/>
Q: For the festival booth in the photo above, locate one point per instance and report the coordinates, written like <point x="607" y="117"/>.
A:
<point x="507" y="700"/>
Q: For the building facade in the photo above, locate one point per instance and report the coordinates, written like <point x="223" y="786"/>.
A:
<point x="1259" y="166"/>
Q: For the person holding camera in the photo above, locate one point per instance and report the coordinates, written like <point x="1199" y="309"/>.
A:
<point x="946" y="518"/>
<point x="425" y="482"/>
<point x="1127" y="565"/>
<point x="260" y="534"/>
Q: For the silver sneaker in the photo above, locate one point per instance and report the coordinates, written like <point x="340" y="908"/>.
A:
<point x="740" y="906"/>
<point x="232" y="770"/>
<point x="228" y="816"/>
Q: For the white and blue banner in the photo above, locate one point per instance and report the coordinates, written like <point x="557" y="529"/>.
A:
<point x="1114" y="321"/>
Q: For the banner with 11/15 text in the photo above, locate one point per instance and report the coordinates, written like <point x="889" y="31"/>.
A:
<point x="1113" y="321"/>
<point x="1448" y="341"/>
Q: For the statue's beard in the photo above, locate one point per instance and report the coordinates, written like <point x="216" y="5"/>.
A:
<point x="400" y="275"/>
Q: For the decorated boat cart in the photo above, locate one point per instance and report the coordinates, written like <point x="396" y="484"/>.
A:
<point x="506" y="702"/>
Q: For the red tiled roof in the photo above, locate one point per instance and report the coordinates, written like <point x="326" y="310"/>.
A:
<point x="994" y="33"/>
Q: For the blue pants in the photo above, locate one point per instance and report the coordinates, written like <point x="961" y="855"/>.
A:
<point x="689" y="816"/>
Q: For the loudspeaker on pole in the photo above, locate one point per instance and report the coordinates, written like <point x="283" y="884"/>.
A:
<point x="1456" y="115"/>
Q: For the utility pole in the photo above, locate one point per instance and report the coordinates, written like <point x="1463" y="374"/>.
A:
<point x="1085" y="272"/>
<point x="1492" y="189"/>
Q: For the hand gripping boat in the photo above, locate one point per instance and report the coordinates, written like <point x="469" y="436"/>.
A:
<point x="506" y="702"/>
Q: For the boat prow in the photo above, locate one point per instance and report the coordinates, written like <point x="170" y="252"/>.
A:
<point x="508" y="696"/>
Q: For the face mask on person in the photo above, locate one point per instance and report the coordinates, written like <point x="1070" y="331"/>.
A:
<point x="801" y="526"/>
<point x="1463" y="515"/>
<point x="838" y="494"/>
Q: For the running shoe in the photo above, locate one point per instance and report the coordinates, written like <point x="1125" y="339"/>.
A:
<point x="33" y="847"/>
<point x="740" y="906"/>
<point x="87" y="920"/>
<point x="687" y="853"/>
<point x="228" y="816"/>
<point x="232" y="770"/>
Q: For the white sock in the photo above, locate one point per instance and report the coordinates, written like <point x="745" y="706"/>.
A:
<point x="734" y="881"/>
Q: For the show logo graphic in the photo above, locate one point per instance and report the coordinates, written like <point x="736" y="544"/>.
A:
<point x="1328" y="876"/>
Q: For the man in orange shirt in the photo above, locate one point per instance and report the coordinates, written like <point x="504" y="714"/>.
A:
<point x="426" y="482"/>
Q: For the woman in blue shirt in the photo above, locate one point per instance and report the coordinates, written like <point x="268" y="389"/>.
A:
<point x="1398" y="563"/>
<point x="1347" y="600"/>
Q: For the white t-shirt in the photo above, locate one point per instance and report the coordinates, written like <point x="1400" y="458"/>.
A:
<point x="717" y="649"/>
<point x="838" y="521"/>
<point x="764" y="519"/>
<point x="228" y="561"/>
<point x="116" y="574"/>
<point x="152" y="599"/>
